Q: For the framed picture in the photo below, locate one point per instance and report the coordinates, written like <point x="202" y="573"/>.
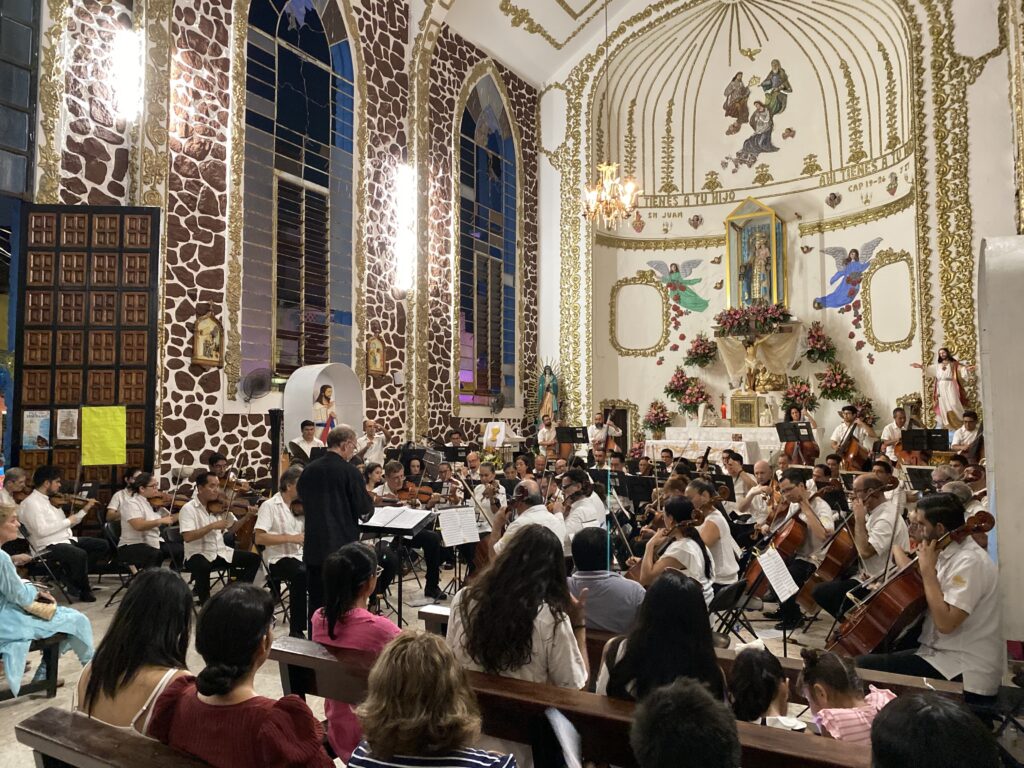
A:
<point x="208" y="342"/>
<point x="67" y="425"/>
<point x="35" y="430"/>
<point x="745" y="409"/>
<point x="375" y="356"/>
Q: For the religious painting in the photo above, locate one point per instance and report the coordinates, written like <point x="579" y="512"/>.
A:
<point x="375" y="356"/>
<point x="847" y="278"/>
<point x="67" y="425"/>
<point x="756" y="263"/>
<point x="681" y="288"/>
<point x="208" y="342"/>
<point x="775" y="90"/>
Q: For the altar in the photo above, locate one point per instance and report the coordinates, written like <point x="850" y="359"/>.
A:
<point x="752" y="443"/>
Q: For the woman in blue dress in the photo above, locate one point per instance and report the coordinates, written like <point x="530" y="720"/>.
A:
<point x="18" y="628"/>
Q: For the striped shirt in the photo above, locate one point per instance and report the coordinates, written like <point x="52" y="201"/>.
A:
<point x="854" y="724"/>
<point x="459" y="758"/>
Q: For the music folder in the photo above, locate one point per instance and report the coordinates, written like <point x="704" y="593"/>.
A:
<point x="925" y="440"/>
<point x="575" y="435"/>
<point x="794" y="431"/>
<point x="455" y="454"/>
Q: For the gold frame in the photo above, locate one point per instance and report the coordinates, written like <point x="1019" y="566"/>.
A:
<point x="765" y="212"/>
<point x="642" y="277"/>
<point x="635" y="428"/>
<point x="881" y="260"/>
<point x="204" y="321"/>
<point x="739" y="405"/>
<point x="374" y="344"/>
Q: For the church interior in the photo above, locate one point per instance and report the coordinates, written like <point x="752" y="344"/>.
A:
<point x="719" y="272"/>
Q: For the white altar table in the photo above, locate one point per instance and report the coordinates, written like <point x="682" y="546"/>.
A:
<point x="753" y="443"/>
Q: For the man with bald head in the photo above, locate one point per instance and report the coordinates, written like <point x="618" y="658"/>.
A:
<point x="528" y="503"/>
<point x="753" y="503"/>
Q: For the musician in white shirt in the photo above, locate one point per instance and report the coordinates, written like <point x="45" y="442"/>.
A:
<point x="893" y="433"/>
<point x="119" y="497"/>
<point x="546" y="436"/>
<point x="301" y="449"/>
<point x="49" y="529"/>
<point x="370" y="446"/>
<point x="754" y="502"/>
<point x="966" y="435"/>
<point x="852" y="424"/>
<point x="471" y="470"/>
<point x="599" y="432"/>
<point x="203" y="533"/>
<point x="14" y="482"/>
<point x="281" y="533"/>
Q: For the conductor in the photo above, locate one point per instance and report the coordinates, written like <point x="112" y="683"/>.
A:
<point x="335" y="500"/>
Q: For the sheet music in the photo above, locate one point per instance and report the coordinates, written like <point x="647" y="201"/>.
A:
<point x="777" y="573"/>
<point x="403" y="518"/>
<point x="458" y="526"/>
<point x="382" y="516"/>
<point x="568" y="737"/>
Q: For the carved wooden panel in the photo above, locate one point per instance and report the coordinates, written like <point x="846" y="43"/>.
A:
<point x="88" y="325"/>
<point x="72" y="309"/>
<point x="40" y="268"/>
<point x="42" y="230"/>
<point x="136" y="457"/>
<point x="133" y="347"/>
<point x="101" y="387"/>
<point x="74" y="230"/>
<point x="133" y="387"/>
<point x="69" y="347"/>
<point x="104" y="269"/>
<point x="38" y="308"/>
<point x="68" y="387"/>
<point x="35" y="386"/>
<point x="135" y="422"/>
<point x="72" y="269"/>
<point x="102" y="348"/>
<point x="102" y="308"/>
<point x="38" y="347"/>
<point x="134" y="308"/>
<point x="106" y="230"/>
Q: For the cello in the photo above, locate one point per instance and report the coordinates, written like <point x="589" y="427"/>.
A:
<point x="896" y="605"/>
<point x="852" y="452"/>
<point x="840" y="555"/>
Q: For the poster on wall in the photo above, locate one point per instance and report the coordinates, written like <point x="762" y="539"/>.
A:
<point x="67" y="425"/>
<point x="35" y="430"/>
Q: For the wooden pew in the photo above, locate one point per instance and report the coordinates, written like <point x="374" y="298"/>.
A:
<point x="511" y="707"/>
<point x="50" y="646"/>
<point x="57" y="737"/>
<point x="435" y="619"/>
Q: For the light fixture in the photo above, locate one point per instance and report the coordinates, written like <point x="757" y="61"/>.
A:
<point x="126" y="73"/>
<point x="609" y="198"/>
<point x="404" y="246"/>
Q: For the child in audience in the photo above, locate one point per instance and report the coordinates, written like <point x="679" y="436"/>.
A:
<point x="142" y="652"/>
<point x="759" y="690"/>
<point x="350" y="578"/>
<point x="419" y="710"/>
<point x="835" y="694"/>
<point x="217" y="716"/>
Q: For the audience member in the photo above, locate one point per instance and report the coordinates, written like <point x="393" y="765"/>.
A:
<point x="612" y="600"/>
<point x="22" y="606"/>
<point x="759" y="689"/>
<point x="350" y="578"/>
<point x="835" y="695"/>
<point x="143" y="651"/>
<point x="671" y="639"/>
<point x="420" y="710"/>
<point x="683" y="726"/>
<point x="217" y="716"/>
<point x="926" y="730"/>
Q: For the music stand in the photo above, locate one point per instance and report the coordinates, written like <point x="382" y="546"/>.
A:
<point x="795" y="432"/>
<point x="455" y="454"/>
<point x="920" y="478"/>
<point x="925" y="440"/>
<point x="574" y="435"/>
<point x="641" y="490"/>
<point x="431" y="463"/>
<point x="848" y="478"/>
<point x="402" y="525"/>
<point x="806" y="473"/>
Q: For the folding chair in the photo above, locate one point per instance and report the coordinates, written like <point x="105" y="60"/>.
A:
<point x="727" y="608"/>
<point x="278" y="589"/>
<point x="40" y="558"/>
<point x="112" y="535"/>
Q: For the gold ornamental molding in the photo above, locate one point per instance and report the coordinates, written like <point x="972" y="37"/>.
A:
<point x="861" y="217"/>
<point x="643" y="277"/>
<point x="51" y="103"/>
<point x="881" y="260"/>
<point x="635" y="428"/>
<point x="521" y="17"/>
<point x="665" y="244"/>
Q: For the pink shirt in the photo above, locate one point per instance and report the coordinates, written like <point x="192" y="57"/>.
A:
<point x="854" y="724"/>
<point x="357" y="630"/>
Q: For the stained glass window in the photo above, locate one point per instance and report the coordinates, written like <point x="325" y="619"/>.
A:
<point x="487" y="249"/>
<point x="297" y="236"/>
<point x="18" y="68"/>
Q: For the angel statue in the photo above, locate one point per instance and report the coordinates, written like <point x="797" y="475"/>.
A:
<point x="547" y="394"/>
<point x="849" y="267"/>
<point x="679" y="290"/>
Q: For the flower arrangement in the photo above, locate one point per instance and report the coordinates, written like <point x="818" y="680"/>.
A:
<point x="836" y="383"/>
<point x="695" y="394"/>
<point x="637" y="450"/>
<point x="702" y="351"/>
<point x="757" y="318"/>
<point x="677" y="385"/>
<point x="657" y="417"/>
<point x="820" y="347"/>
<point x="799" y="395"/>
<point x="865" y="408"/>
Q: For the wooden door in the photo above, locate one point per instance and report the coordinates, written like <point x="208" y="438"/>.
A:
<point x="88" y="332"/>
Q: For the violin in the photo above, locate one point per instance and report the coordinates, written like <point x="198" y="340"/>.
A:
<point x="885" y="614"/>
<point x="20" y="496"/>
<point x="72" y="503"/>
<point x="297" y="509"/>
<point x="411" y="493"/>
<point x="164" y="500"/>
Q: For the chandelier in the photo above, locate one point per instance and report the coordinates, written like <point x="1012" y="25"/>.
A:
<point x="609" y="198"/>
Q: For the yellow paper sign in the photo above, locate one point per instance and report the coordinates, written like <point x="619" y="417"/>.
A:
<point x="103" y="435"/>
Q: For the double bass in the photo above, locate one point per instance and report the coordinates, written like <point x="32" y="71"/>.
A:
<point x="852" y="452"/>
<point x="897" y="604"/>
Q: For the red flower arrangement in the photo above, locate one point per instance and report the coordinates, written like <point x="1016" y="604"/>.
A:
<point x="836" y="383"/>
<point x="702" y="351"/>
<point x="677" y="384"/>
<point x="820" y="347"/>
<point x="758" y="318"/>
<point x="799" y="395"/>
<point x="657" y="417"/>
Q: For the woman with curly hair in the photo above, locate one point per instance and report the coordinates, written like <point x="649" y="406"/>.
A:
<point x="671" y="639"/>
<point x="419" y="706"/>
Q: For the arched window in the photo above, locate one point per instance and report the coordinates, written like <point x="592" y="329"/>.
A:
<point x="297" y="251"/>
<point x="487" y="249"/>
